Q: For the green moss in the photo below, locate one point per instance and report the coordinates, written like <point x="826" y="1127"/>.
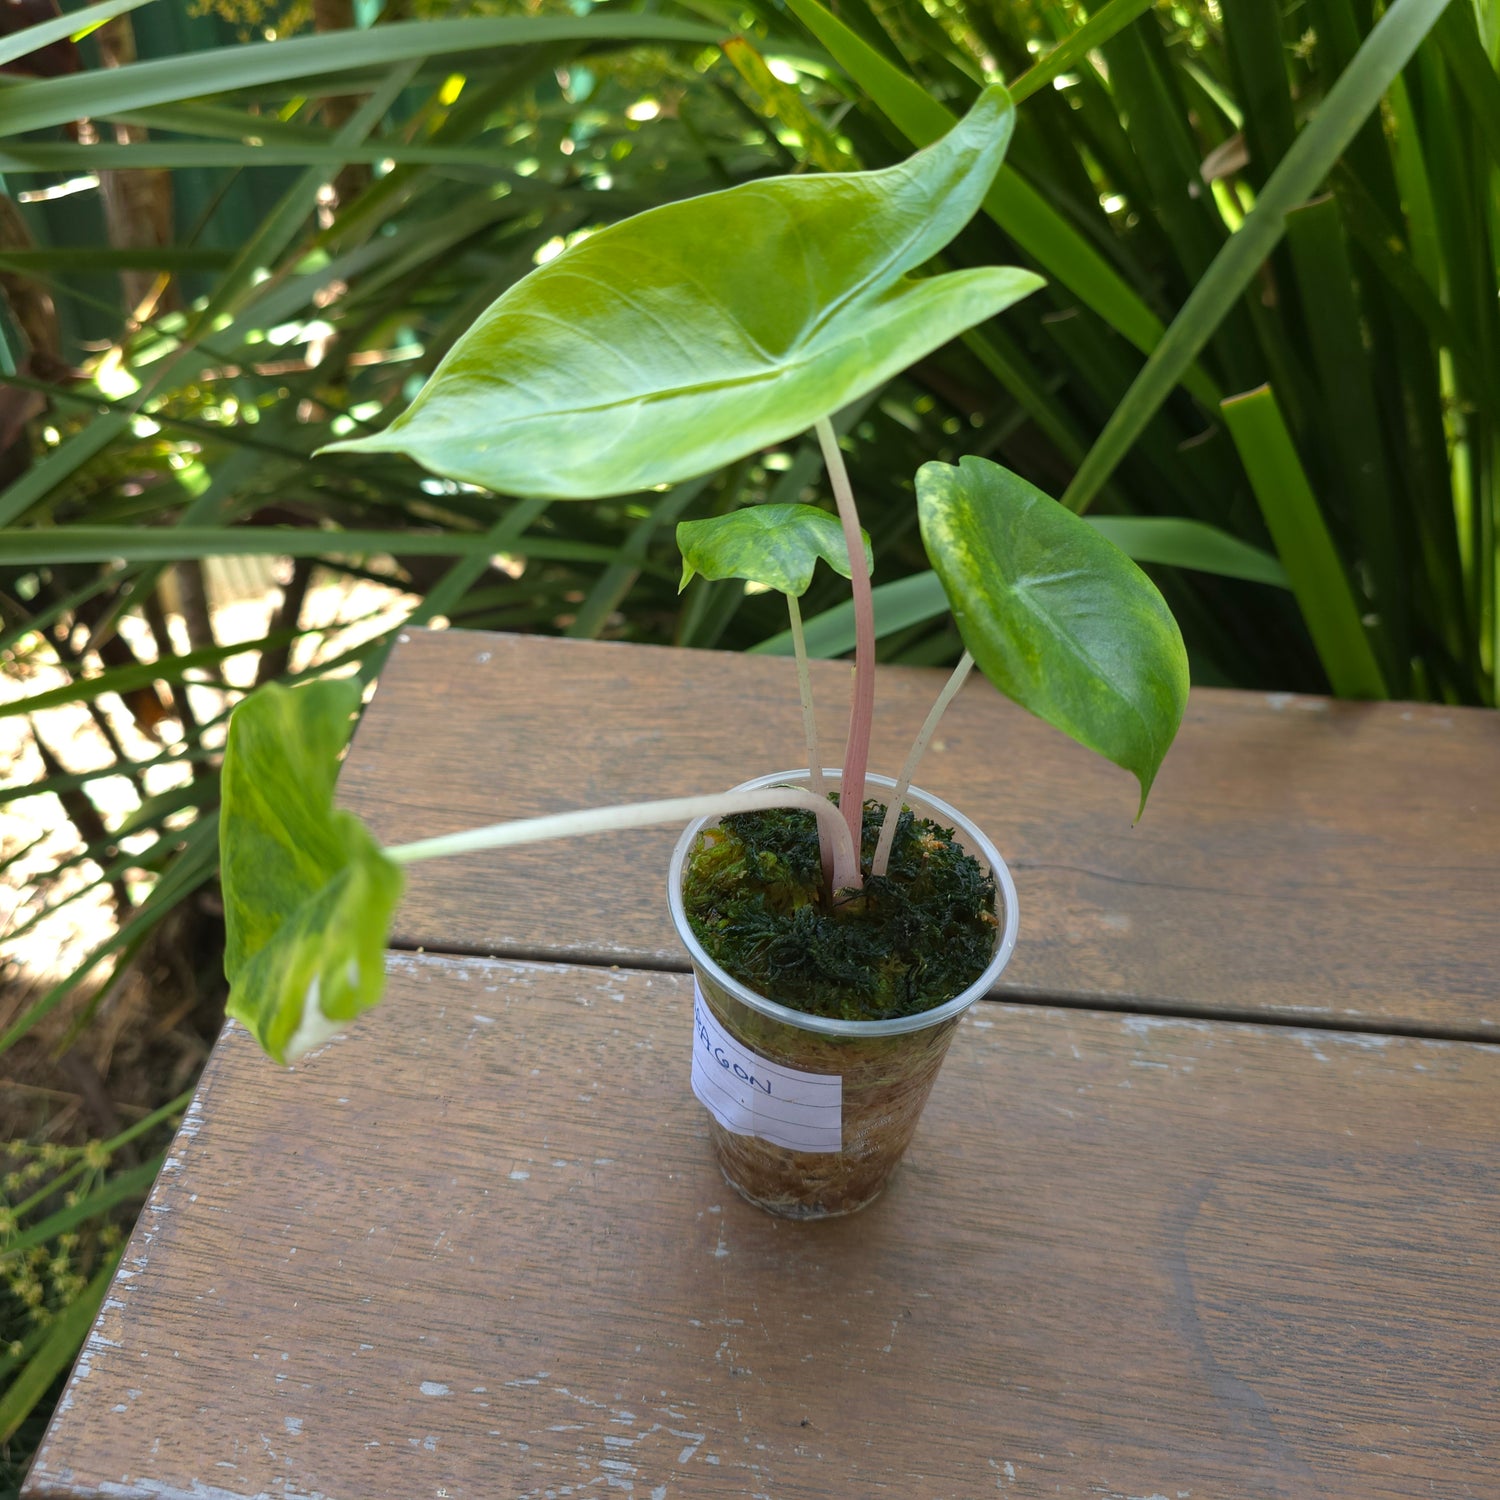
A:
<point x="757" y="901"/>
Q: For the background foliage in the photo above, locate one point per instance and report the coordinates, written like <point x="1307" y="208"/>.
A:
<point x="201" y="289"/>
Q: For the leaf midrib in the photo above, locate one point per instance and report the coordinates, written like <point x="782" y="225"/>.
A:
<point x="779" y="372"/>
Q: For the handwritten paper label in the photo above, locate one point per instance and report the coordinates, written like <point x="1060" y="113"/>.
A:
<point x="749" y="1096"/>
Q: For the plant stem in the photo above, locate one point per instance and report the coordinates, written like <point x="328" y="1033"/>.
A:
<point x="644" y="815"/>
<point x="804" y="691"/>
<point x="862" y="706"/>
<point x="810" y="729"/>
<point x="914" y="755"/>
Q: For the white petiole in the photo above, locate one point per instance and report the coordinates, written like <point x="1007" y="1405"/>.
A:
<point x="846" y="872"/>
<point x="862" y="706"/>
<point x="909" y="769"/>
<point x="804" y="691"/>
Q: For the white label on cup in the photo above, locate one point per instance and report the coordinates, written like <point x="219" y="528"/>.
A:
<point x="748" y="1095"/>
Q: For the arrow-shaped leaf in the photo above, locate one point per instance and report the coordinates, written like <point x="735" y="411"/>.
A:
<point x="308" y="894"/>
<point x="774" y="545"/>
<point x="693" y="334"/>
<point x="1057" y="617"/>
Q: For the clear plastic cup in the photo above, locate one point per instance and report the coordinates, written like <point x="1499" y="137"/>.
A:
<point x="885" y="1069"/>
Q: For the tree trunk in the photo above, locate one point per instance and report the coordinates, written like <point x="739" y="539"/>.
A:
<point x="338" y="15"/>
<point x="138" y="203"/>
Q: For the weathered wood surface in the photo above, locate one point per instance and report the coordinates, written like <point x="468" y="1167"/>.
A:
<point x="1300" y="858"/>
<point x="478" y="1249"/>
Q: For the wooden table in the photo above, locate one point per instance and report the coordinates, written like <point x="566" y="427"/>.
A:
<point x="1206" y="1201"/>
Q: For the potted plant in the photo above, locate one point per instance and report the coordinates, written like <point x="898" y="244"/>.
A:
<point x="838" y="922"/>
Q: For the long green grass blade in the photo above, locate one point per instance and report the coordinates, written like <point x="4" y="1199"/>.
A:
<point x="1302" y="540"/>
<point x="133" y="769"/>
<point x="177" y="154"/>
<point x="1256" y="53"/>
<point x="1166" y="540"/>
<point x="615" y="581"/>
<point x="76" y="24"/>
<point x="1075" y="47"/>
<point x="63" y="1338"/>
<point x="1386" y="51"/>
<point x="131" y="1132"/>
<point x="1365" y="505"/>
<point x="898" y="606"/>
<point x="1177" y="543"/>
<point x="194" y="865"/>
<point x="282" y="225"/>
<point x="123" y="1185"/>
<point x="1414" y="186"/>
<point x="1379" y="240"/>
<point x="62" y="258"/>
<point x="76" y="544"/>
<point x="1477" y="79"/>
<point x="448" y="593"/>
<point x="1010" y="366"/>
<point x="37" y="104"/>
<point x="140" y="674"/>
<point x="45" y="619"/>
<point x="149" y="858"/>
<point x="60" y="465"/>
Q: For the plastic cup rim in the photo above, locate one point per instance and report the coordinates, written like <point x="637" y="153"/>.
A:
<point x="827" y="1025"/>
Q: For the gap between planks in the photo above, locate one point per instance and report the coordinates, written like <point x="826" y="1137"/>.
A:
<point x="1289" y="1020"/>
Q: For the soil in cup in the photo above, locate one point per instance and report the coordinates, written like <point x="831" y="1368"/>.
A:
<point x="756" y="898"/>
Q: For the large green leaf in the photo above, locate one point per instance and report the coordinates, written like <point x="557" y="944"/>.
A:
<point x="1171" y="540"/>
<point x="1057" y="617"/>
<point x="308" y="894"/>
<point x="775" y="545"/>
<point x="1018" y="208"/>
<point x="693" y="334"/>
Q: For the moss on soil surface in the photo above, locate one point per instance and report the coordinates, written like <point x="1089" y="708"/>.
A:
<point x="911" y="940"/>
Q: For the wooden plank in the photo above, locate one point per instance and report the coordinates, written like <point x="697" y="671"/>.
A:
<point x="478" y="1249"/>
<point x="1299" y="857"/>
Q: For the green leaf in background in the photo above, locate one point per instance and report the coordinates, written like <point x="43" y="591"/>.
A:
<point x="308" y="894"/>
<point x="1057" y="618"/>
<point x="784" y="102"/>
<point x="1098" y="29"/>
<point x="1017" y="207"/>
<point x="1170" y="540"/>
<point x="70" y="27"/>
<point x="51" y="545"/>
<point x="54" y="1353"/>
<point x="1175" y="541"/>
<point x="102" y="94"/>
<point x="138" y="675"/>
<point x="696" y="333"/>
<point x="1386" y="50"/>
<point x="774" y="545"/>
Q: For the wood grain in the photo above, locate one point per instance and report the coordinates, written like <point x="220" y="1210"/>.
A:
<point x="477" y="1250"/>
<point x="1303" y="858"/>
